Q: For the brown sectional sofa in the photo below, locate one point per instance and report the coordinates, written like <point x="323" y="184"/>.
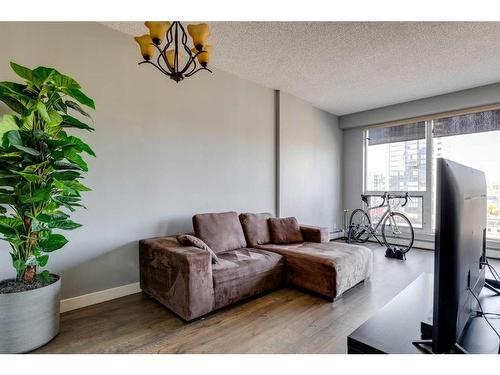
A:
<point x="185" y="279"/>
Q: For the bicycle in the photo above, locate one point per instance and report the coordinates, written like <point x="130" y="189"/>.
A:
<point x="397" y="231"/>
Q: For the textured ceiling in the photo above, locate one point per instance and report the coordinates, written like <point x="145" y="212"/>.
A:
<point x="346" y="67"/>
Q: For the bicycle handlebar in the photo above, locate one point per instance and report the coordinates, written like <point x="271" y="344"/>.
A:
<point x="386" y="196"/>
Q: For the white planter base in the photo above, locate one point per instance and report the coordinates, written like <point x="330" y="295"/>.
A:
<point x="29" y="319"/>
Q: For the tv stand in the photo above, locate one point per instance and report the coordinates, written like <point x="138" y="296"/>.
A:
<point x="426" y="347"/>
<point x="394" y="327"/>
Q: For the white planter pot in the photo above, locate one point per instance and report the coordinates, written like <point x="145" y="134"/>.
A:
<point x="29" y="319"/>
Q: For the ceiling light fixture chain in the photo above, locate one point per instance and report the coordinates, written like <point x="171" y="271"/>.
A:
<point x="169" y="60"/>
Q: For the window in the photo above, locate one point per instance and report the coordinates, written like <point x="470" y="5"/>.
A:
<point x="473" y="140"/>
<point x="395" y="162"/>
<point x="396" y="158"/>
<point x="403" y="158"/>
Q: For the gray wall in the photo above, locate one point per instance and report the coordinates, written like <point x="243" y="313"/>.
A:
<point x="352" y="177"/>
<point x="483" y="95"/>
<point x="164" y="150"/>
<point x="310" y="163"/>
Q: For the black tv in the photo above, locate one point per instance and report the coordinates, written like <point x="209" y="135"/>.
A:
<point x="460" y="250"/>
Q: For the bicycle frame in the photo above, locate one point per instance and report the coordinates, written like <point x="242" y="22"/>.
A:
<point x="388" y="212"/>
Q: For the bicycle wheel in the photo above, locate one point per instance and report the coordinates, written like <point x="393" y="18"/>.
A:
<point x="359" y="226"/>
<point x="398" y="233"/>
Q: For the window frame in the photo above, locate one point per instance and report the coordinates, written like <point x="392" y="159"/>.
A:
<point x="425" y="233"/>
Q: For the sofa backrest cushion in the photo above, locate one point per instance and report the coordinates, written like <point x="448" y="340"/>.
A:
<point x="256" y="228"/>
<point x="285" y="230"/>
<point x="189" y="240"/>
<point x="221" y="231"/>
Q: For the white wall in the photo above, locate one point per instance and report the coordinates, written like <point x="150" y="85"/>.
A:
<point x="164" y="150"/>
<point x="310" y="163"/>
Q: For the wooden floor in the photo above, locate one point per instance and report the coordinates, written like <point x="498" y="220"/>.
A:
<point x="284" y="321"/>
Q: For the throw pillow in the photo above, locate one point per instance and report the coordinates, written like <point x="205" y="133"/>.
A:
<point x="256" y="228"/>
<point x="188" y="240"/>
<point x="285" y="230"/>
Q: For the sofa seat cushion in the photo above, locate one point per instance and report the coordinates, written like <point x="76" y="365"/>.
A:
<point x="245" y="272"/>
<point x="220" y="231"/>
<point x="256" y="228"/>
<point x="328" y="268"/>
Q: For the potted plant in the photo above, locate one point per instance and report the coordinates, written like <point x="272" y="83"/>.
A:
<point x="41" y="166"/>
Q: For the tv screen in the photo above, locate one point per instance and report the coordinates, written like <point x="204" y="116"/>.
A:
<point x="459" y="250"/>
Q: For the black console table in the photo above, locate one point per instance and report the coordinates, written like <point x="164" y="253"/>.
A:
<point x="393" y="328"/>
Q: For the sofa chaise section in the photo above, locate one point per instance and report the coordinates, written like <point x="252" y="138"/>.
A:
<point x="329" y="269"/>
<point x="314" y="264"/>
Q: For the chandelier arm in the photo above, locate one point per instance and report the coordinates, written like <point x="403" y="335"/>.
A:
<point x="163" y="51"/>
<point x="192" y="60"/>
<point x="176" y="47"/>
<point x="184" y="40"/>
<point x="156" y="66"/>
<point x="196" y="71"/>
<point x="161" y="54"/>
<point x="194" y="66"/>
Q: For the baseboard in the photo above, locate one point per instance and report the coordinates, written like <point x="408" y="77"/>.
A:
<point x="98" y="297"/>
<point x="335" y="235"/>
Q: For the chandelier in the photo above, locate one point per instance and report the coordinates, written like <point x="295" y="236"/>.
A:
<point x="175" y="59"/>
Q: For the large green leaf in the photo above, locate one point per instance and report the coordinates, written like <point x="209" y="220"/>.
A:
<point x="76" y="107"/>
<point x="39" y="195"/>
<point x="66" y="175"/>
<point x="14" y="104"/>
<point x="42" y="110"/>
<point x="6" y="199"/>
<point x="8" y="122"/>
<point x="79" y="145"/>
<point x="18" y="92"/>
<point x="28" y="150"/>
<point x="42" y="260"/>
<point x="73" y="156"/>
<point x="64" y="224"/>
<point x="31" y="177"/>
<point x="61" y="186"/>
<point x="62" y="165"/>
<point x="64" y="82"/>
<point x="55" y="118"/>
<point x="22" y="71"/>
<point x="56" y="215"/>
<point x="14" y="89"/>
<point x="10" y="138"/>
<point x="70" y="121"/>
<point x="42" y="75"/>
<point x="10" y="225"/>
<point x="52" y="242"/>
<point x="77" y="186"/>
<point x="80" y="97"/>
<point x="12" y="94"/>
